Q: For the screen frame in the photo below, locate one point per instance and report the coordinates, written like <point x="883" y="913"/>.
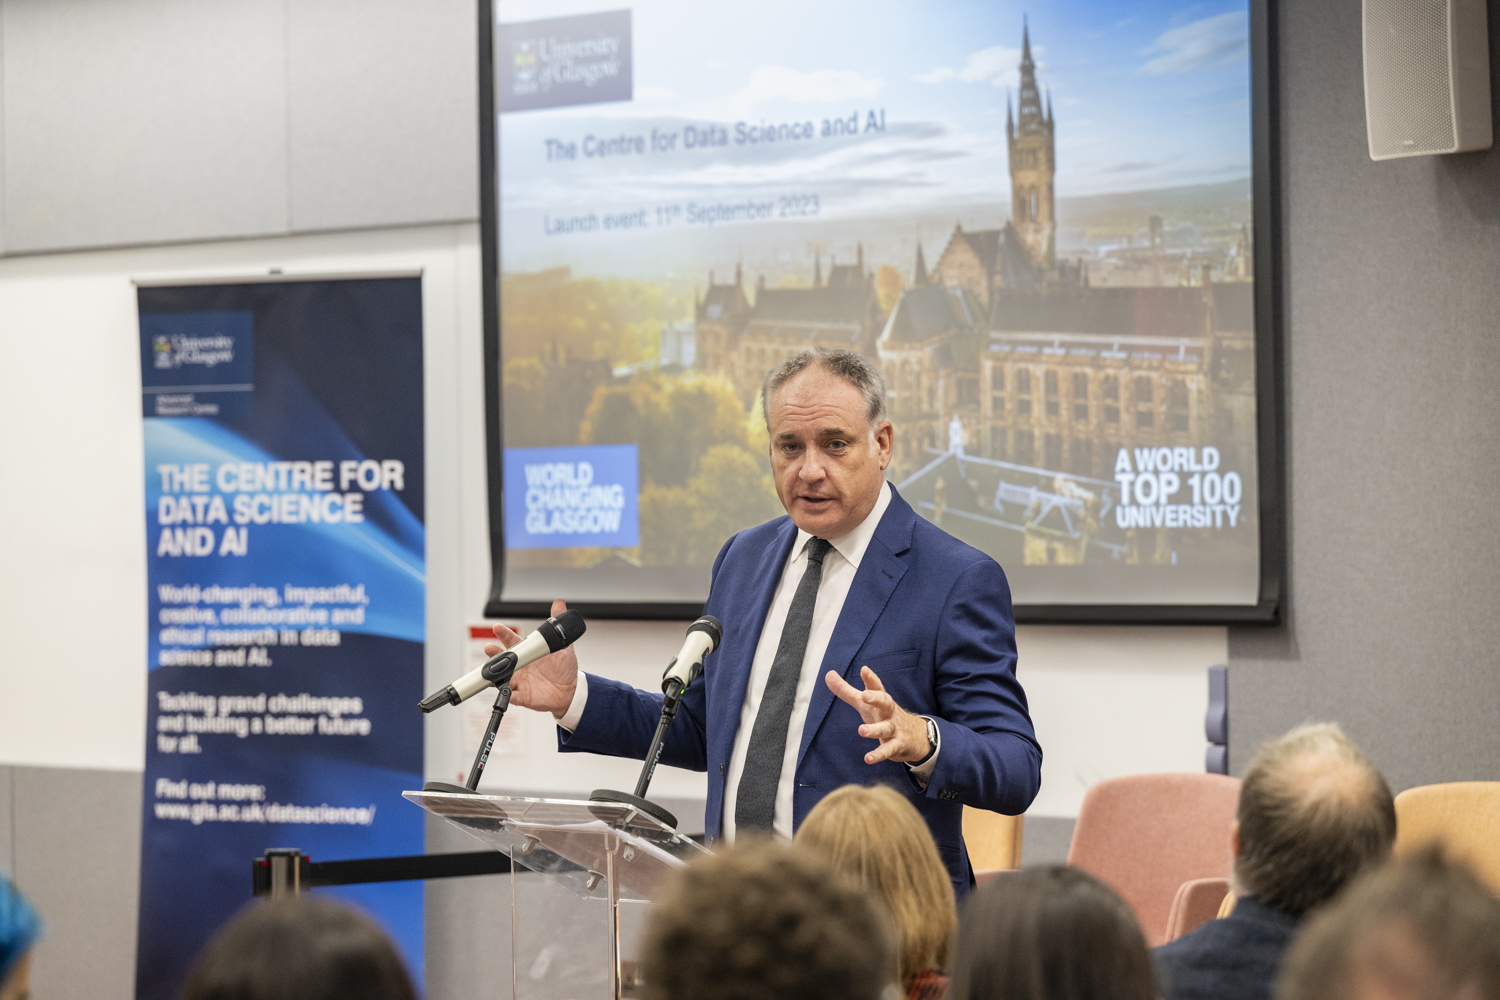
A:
<point x="1266" y="212"/>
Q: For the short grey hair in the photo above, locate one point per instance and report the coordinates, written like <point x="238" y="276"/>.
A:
<point x="847" y="365"/>
<point x="1313" y="813"/>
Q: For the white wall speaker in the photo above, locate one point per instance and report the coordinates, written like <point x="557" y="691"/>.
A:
<point x="1427" y="77"/>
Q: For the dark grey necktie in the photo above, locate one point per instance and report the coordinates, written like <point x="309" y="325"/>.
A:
<point x="755" y="802"/>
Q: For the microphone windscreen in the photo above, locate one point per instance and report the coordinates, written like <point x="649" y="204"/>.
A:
<point x="564" y="630"/>
<point x="711" y="625"/>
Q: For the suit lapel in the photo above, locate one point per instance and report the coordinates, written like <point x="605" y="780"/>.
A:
<point x="767" y="576"/>
<point x="879" y="572"/>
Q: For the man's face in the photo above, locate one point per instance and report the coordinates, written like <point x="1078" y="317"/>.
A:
<point x="828" y="466"/>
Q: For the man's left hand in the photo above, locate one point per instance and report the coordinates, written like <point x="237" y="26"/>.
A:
<point x="902" y="735"/>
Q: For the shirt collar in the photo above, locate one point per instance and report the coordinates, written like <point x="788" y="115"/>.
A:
<point x="852" y="544"/>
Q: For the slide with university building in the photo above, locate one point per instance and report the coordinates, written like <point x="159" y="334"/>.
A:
<point x="1036" y="221"/>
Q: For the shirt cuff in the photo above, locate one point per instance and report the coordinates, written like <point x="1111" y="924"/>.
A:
<point x="574" y="714"/>
<point x="925" y="771"/>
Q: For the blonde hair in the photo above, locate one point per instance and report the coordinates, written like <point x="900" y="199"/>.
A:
<point x="877" y="836"/>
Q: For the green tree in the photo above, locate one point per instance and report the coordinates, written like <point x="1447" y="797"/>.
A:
<point x="667" y="534"/>
<point x="523" y="389"/>
<point x="674" y="420"/>
<point x="728" y="493"/>
<point x="692" y="415"/>
<point x="618" y="414"/>
<point x="551" y="313"/>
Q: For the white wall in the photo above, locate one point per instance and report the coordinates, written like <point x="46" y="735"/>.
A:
<point x="1106" y="701"/>
<point x="1115" y="700"/>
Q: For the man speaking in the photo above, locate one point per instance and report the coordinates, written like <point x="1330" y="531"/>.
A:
<point x="908" y="629"/>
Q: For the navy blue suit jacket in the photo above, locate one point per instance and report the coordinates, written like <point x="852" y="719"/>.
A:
<point x="929" y="614"/>
<point x="1236" y="958"/>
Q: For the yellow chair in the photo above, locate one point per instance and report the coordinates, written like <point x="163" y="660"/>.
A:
<point x="993" y="840"/>
<point x="1197" y="901"/>
<point x="1463" y="816"/>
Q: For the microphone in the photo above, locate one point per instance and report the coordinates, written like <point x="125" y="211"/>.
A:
<point x="703" y="637"/>
<point x="550" y="636"/>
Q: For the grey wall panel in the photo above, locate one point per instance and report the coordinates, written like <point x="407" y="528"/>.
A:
<point x="1045" y="840"/>
<point x="383" y="112"/>
<point x="7" y="820"/>
<point x="142" y="122"/>
<point x="77" y="849"/>
<point x="1393" y="423"/>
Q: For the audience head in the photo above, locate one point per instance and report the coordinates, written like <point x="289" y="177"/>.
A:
<point x="300" y="948"/>
<point x="877" y="836"/>
<point x="1420" y="929"/>
<point x="766" y="921"/>
<point x="1313" y="813"/>
<point x="1050" y="933"/>
<point x="19" y="929"/>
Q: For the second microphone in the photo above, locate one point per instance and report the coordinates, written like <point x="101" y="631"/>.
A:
<point x="552" y="635"/>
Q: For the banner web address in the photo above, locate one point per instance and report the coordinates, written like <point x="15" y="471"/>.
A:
<point x="270" y="812"/>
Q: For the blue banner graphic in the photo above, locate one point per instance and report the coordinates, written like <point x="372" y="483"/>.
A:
<point x="580" y="497"/>
<point x="286" y="578"/>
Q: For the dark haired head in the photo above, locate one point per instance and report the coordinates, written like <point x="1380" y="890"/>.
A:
<point x="1050" y="933"/>
<point x="1420" y="929"/>
<point x="300" y="948"/>
<point x="766" y="921"/>
<point x="1313" y="813"/>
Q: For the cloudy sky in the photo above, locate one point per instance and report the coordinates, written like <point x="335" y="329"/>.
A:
<point x="1146" y="95"/>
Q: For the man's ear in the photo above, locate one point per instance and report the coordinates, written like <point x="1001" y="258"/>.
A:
<point x="1234" y="839"/>
<point x="885" y="443"/>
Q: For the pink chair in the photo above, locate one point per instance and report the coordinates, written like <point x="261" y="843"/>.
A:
<point x="1147" y="834"/>
<point x="1196" y="902"/>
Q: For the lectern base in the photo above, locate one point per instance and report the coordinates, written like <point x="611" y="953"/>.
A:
<point x="644" y="805"/>
<point x="449" y="787"/>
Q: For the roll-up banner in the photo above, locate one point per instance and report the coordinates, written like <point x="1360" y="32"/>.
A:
<point x="287" y="579"/>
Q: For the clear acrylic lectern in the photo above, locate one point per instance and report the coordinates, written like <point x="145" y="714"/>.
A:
<point x="595" y="865"/>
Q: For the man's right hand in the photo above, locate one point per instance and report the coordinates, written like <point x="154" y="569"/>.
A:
<point x="546" y="685"/>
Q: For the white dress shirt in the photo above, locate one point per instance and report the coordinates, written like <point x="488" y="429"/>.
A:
<point x="839" y="567"/>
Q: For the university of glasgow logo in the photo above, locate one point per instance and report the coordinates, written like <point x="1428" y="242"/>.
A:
<point x="197" y="364"/>
<point x="523" y="64"/>
<point x="564" y="61"/>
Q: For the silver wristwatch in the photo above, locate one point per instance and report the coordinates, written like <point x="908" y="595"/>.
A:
<point x="932" y="738"/>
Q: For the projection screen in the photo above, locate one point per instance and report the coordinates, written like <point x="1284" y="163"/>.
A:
<point x="1047" y="225"/>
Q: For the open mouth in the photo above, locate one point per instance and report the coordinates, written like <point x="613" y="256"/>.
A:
<point x="816" y="503"/>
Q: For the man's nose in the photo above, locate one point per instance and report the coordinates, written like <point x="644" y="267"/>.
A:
<point x="812" y="467"/>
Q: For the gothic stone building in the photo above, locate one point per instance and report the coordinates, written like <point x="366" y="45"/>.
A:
<point x="1059" y="379"/>
<point x="1023" y="252"/>
<point x="743" y="341"/>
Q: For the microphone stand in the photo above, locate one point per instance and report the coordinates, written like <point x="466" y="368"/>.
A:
<point x="502" y="672"/>
<point x="502" y="702"/>
<point x="669" y="706"/>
